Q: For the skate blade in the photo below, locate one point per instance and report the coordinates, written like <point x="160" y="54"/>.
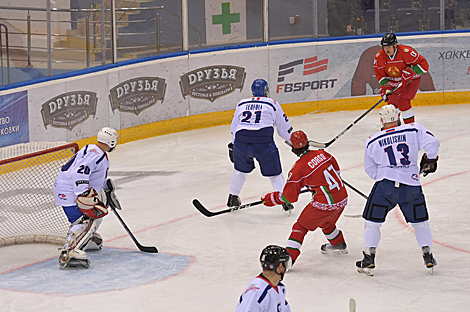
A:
<point x="366" y="271"/>
<point x="431" y="270"/>
<point x="334" y="251"/>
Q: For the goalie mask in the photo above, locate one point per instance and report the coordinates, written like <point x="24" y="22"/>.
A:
<point x="108" y="136"/>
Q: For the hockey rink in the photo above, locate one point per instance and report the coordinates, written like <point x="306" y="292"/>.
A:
<point x="204" y="264"/>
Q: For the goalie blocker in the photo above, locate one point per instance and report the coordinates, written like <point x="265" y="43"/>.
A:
<point x="111" y="197"/>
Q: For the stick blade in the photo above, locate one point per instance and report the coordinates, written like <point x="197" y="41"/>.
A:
<point x="149" y="249"/>
<point x="317" y="144"/>
<point x="202" y="209"/>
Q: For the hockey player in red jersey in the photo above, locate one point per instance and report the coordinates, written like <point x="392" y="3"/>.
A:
<point x="318" y="171"/>
<point x="397" y="63"/>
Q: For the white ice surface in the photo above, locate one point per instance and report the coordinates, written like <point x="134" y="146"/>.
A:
<point x="159" y="177"/>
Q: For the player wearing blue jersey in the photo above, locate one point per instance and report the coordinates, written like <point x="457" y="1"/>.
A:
<point x="391" y="159"/>
<point x="77" y="189"/>
<point x="252" y="138"/>
<point x="266" y="293"/>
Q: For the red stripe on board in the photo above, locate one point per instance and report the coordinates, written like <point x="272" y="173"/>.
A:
<point x="313" y="71"/>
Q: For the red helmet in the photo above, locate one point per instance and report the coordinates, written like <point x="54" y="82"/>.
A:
<point x="298" y="139"/>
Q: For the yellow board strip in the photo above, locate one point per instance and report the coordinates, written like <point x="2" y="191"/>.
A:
<point x="293" y="109"/>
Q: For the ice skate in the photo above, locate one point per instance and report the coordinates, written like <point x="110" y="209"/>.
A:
<point x="233" y="201"/>
<point x="288" y="208"/>
<point x="428" y="258"/>
<point x="329" y="249"/>
<point x="73" y="259"/>
<point x="367" y="264"/>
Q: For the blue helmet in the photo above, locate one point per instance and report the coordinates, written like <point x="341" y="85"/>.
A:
<point x="259" y="87"/>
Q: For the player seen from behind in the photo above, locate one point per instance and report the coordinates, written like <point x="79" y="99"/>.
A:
<point x="79" y="189"/>
<point x="266" y="293"/>
<point x="319" y="172"/>
<point x="252" y="138"/>
<point x="391" y="159"/>
<point x="397" y="63"/>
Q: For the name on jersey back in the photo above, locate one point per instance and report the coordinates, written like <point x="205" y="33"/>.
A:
<point x="392" y="139"/>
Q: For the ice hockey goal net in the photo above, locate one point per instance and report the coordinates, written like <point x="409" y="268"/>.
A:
<point x="28" y="213"/>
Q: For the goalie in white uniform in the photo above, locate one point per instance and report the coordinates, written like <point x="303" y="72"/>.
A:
<point x="80" y="189"/>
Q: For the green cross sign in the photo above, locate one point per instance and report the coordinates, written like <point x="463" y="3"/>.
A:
<point x="226" y="18"/>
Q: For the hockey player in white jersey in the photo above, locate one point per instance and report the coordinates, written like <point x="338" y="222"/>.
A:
<point x="252" y="138"/>
<point x="391" y="159"/>
<point x="266" y="293"/>
<point x="79" y="189"/>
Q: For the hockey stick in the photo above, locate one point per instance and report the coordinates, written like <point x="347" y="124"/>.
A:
<point x="208" y="213"/>
<point x="150" y="249"/>
<point x="113" y="206"/>
<point x="355" y="190"/>
<point x="325" y="145"/>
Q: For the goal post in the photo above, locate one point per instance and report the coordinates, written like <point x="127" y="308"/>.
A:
<point x="28" y="213"/>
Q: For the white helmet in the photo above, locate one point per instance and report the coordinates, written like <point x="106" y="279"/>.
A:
<point x="389" y="113"/>
<point x="108" y="136"/>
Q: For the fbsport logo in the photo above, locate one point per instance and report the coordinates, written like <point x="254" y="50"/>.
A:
<point x="311" y="66"/>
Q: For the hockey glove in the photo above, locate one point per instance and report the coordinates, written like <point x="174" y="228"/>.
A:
<point x="427" y="166"/>
<point x="385" y="90"/>
<point x="407" y="74"/>
<point x="272" y="199"/>
<point x="230" y="151"/>
<point x="90" y="205"/>
<point x="111" y="196"/>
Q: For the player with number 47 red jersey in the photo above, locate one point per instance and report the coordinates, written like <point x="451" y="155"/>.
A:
<point x="397" y="63"/>
<point x="319" y="172"/>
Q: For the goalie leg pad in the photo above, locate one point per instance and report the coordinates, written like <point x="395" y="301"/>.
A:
<point x="80" y="233"/>
<point x="95" y="241"/>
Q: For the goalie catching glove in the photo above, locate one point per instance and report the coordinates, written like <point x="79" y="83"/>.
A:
<point x="111" y="196"/>
<point x="427" y="166"/>
<point x="90" y="205"/>
<point x="272" y="199"/>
